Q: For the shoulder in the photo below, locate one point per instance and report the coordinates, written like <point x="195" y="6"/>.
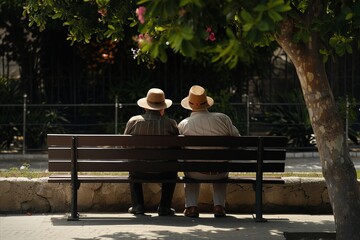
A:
<point x="222" y="115"/>
<point x="219" y="114"/>
<point x="170" y="120"/>
<point x="135" y="119"/>
<point x="184" y="121"/>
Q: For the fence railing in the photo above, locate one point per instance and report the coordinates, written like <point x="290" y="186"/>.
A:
<point x="29" y="123"/>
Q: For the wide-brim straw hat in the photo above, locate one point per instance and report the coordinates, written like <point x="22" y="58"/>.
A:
<point x="154" y="100"/>
<point x="197" y="99"/>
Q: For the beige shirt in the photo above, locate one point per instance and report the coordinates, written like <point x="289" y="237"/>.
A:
<point x="205" y="123"/>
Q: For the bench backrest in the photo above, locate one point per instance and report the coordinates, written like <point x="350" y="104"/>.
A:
<point x="103" y="153"/>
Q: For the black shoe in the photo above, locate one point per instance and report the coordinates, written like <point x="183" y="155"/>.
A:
<point x="219" y="211"/>
<point x="136" y="210"/>
<point x="166" y="211"/>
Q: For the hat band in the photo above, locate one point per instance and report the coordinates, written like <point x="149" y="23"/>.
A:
<point x="156" y="102"/>
<point x="198" y="104"/>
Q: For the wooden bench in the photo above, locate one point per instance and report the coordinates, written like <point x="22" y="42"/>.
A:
<point x="74" y="153"/>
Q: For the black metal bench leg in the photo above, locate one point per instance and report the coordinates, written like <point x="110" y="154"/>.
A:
<point x="258" y="205"/>
<point x="259" y="183"/>
<point x="74" y="215"/>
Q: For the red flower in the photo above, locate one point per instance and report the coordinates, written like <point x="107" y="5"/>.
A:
<point x="140" y="12"/>
<point x="102" y="12"/>
<point x="211" y="37"/>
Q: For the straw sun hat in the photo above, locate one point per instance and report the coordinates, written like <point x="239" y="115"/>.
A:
<point x="197" y="99"/>
<point x="154" y="100"/>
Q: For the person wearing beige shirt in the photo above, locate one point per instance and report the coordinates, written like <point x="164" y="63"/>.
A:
<point x="204" y="123"/>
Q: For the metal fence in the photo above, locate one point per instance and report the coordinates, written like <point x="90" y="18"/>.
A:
<point x="31" y="122"/>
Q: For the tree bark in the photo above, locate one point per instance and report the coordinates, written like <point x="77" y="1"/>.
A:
<point x="337" y="167"/>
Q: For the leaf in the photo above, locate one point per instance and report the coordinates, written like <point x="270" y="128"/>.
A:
<point x="155" y="51"/>
<point x="185" y="2"/>
<point x="187" y="32"/>
<point x="251" y="36"/>
<point x="323" y="51"/>
<point x="349" y="16"/>
<point x="260" y="8"/>
<point x="340" y="50"/>
<point x="246" y="16"/>
<point x="230" y="33"/>
<point x="198" y="3"/>
<point x="187" y="49"/>
<point x="133" y="24"/>
<point x="247" y="27"/>
<point x="175" y="41"/>
<point x="159" y="29"/>
<point x="162" y="54"/>
<point x="280" y="6"/>
<point x="275" y="16"/>
<point x="56" y="15"/>
<point x="263" y="26"/>
<point x="325" y="58"/>
<point x="348" y="48"/>
<point x="142" y="2"/>
<point x="333" y="41"/>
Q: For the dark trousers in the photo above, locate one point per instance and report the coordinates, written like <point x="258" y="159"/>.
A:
<point x="167" y="189"/>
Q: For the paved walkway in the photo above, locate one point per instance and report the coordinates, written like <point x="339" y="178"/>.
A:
<point x="125" y="226"/>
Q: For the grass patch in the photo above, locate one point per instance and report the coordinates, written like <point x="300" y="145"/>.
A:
<point x="23" y="173"/>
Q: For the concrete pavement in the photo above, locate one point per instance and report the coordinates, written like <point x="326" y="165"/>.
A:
<point x="125" y="226"/>
<point x="100" y="226"/>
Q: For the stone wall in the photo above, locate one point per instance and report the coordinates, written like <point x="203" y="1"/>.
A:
<point x="22" y="195"/>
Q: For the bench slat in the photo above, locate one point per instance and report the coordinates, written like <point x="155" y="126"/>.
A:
<point x="87" y="140"/>
<point x="160" y="154"/>
<point x="113" y="166"/>
<point x="125" y="179"/>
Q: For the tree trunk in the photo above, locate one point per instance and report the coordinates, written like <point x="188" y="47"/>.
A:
<point x="337" y="167"/>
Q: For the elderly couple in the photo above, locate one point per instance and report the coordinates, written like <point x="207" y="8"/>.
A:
<point x="200" y="122"/>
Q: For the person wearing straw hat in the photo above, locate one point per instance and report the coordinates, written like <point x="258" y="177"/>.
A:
<point x="152" y="122"/>
<point x="205" y="123"/>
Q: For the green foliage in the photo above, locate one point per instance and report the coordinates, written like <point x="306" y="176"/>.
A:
<point x="223" y="99"/>
<point x="348" y="110"/>
<point x="11" y="119"/>
<point x="235" y="26"/>
<point x="85" y="19"/>
<point x="291" y="120"/>
<point x="9" y="116"/>
<point x="262" y="18"/>
<point x="41" y="122"/>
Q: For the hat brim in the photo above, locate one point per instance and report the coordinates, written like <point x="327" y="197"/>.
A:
<point x="142" y="102"/>
<point x="185" y="104"/>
